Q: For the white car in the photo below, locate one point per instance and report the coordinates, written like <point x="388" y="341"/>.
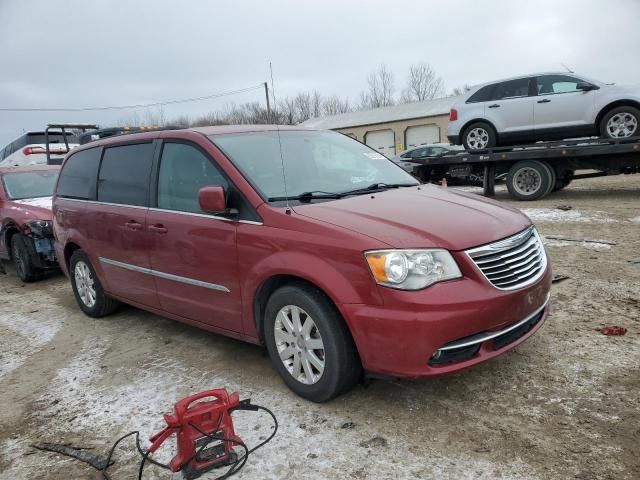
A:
<point x="546" y="106"/>
<point x="30" y="149"/>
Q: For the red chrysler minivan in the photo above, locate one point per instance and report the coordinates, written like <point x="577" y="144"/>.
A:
<point x="306" y="241"/>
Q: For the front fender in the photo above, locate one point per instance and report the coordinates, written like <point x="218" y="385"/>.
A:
<point x="345" y="285"/>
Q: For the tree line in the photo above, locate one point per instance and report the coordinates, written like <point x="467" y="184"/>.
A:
<point x="423" y="83"/>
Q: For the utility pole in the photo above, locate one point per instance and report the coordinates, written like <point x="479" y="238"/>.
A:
<point x="266" y="92"/>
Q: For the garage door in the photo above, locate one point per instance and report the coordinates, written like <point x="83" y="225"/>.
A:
<point x="383" y="141"/>
<point x="419" y="134"/>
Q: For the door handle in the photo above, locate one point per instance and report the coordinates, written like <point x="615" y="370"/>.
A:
<point x="546" y="100"/>
<point x="495" y="105"/>
<point x="133" y="225"/>
<point x="158" y="228"/>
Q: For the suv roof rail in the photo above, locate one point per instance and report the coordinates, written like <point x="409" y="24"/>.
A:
<point x="98" y="134"/>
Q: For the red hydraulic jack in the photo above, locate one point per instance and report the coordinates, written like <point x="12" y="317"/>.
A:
<point x="205" y="433"/>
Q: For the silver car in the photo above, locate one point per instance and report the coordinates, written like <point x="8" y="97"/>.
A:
<point x="546" y="106"/>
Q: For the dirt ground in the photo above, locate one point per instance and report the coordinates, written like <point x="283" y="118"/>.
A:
<point x="564" y="405"/>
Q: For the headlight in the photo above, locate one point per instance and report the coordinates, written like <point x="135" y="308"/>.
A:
<point x="411" y="269"/>
<point x="40" y="228"/>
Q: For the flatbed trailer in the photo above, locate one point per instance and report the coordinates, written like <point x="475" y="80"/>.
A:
<point x="533" y="171"/>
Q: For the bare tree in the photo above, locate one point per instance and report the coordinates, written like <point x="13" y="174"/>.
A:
<point x="333" y="105"/>
<point x="423" y="84"/>
<point x="316" y="104"/>
<point x="380" y="89"/>
<point x="460" y="90"/>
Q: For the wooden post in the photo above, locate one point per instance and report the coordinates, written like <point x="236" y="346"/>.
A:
<point x="489" y="180"/>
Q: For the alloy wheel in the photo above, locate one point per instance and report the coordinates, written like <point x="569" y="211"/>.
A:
<point x="85" y="284"/>
<point x="299" y="344"/>
<point x="622" y="125"/>
<point x="478" y="138"/>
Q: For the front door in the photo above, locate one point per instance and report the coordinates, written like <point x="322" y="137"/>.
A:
<point x="118" y="232"/>
<point x="194" y="256"/>
<point x="560" y="104"/>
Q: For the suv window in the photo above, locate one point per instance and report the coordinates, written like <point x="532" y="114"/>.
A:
<point x="550" y="84"/>
<point x="184" y="170"/>
<point x="78" y="175"/>
<point x="124" y="174"/>
<point x="512" y="89"/>
<point x="482" y="95"/>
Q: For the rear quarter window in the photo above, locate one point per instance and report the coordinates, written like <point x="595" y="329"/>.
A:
<point x="482" y="95"/>
<point x="78" y="175"/>
<point x="124" y="174"/>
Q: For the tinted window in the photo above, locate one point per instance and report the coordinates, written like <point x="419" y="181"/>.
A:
<point x="184" y="170"/>
<point x="419" y="152"/>
<point x="557" y="84"/>
<point x="482" y="95"/>
<point x="512" y="89"/>
<point x="124" y="174"/>
<point x="78" y="175"/>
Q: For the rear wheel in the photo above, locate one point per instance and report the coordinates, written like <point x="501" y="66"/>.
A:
<point x="530" y="180"/>
<point x="479" y="136"/>
<point x="22" y="260"/>
<point x="309" y="344"/>
<point x="621" y="122"/>
<point x="87" y="289"/>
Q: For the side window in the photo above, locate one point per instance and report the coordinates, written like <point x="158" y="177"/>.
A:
<point x="482" y="95"/>
<point x="124" y="174"/>
<point x="419" y="152"/>
<point x="184" y="170"/>
<point x="550" y="84"/>
<point x="512" y="89"/>
<point x="78" y="175"/>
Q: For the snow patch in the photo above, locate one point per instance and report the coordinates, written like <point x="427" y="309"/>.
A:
<point x="563" y="243"/>
<point x="555" y="215"/>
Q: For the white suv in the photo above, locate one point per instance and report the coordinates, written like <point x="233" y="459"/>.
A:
<point x="31" y="149"/>
<point x="547" y="106"/>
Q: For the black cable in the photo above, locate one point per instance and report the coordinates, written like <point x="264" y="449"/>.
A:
<point x="234" y="467"/>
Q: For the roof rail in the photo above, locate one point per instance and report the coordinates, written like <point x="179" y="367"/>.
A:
<point x="98" y="134"/>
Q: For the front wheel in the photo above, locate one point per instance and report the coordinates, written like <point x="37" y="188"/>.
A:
<point x="309" y="343"/>
<point x="621" y="122"/>
<point x="479" y="136"/>
<point x="22" y="261"/>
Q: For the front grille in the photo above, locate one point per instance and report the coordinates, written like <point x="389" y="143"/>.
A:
<point x="512" y="263"/>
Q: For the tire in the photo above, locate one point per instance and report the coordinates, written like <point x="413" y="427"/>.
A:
<point x="481" y="130"/>
<point x="336" y="352"/>
<point x="621" y="122"/>
<point x="22" y="260"/>
<point x="553" y="178"/>
<point x="87" y="289"/>
<point x="530" y="180"/>
<point x="563" y="180"/>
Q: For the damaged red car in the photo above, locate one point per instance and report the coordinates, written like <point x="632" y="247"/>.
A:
<point x="26" y="237"/>
<point x="306" y="241"/>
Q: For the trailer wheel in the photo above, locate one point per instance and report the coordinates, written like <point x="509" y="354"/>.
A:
<point x="553" y="176"/>
<point x="530" y="180"/>
<point x="563" y="180"/>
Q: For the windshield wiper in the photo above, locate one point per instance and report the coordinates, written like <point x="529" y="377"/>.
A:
<point x="308" y="196"/>
<point x="377" y="186"/>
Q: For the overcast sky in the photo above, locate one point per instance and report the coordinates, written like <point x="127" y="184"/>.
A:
<point x="92" y="53"/>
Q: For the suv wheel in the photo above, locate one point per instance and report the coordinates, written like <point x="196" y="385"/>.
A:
<point x="530" y="180"/>
<point x="309" y="344"/>
<point x="22" y="259"/>
<point x="479" y="136"/>
<point x="87" y="288"/>
<point x="621" y="122"/>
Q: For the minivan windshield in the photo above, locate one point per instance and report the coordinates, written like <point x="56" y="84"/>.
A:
<point x="328" y="164"/>
<point x="29" y="184"/>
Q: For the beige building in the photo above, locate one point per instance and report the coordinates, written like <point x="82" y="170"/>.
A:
<point x="391" y="130"/>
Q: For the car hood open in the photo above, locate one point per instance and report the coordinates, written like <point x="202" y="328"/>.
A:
<point x="421" y="217"/>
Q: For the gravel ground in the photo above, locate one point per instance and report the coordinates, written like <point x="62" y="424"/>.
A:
<point x="564" y="405"/>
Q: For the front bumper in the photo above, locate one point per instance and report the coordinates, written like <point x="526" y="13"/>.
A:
<point x="446" y="327"/>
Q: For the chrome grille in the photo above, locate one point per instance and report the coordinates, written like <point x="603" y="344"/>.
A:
<point x="512" y="263"/>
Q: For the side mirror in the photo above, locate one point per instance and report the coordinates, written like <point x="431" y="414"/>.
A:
<point x="586" y="86"/>
<point x="211" y="199"/>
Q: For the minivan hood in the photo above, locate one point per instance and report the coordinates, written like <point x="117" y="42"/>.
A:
<point x="425" y="216"/>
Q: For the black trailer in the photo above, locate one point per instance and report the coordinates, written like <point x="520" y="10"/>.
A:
<point x="533" y="171"/>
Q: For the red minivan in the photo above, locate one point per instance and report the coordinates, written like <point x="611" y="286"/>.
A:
<point x="306" y="241"/>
